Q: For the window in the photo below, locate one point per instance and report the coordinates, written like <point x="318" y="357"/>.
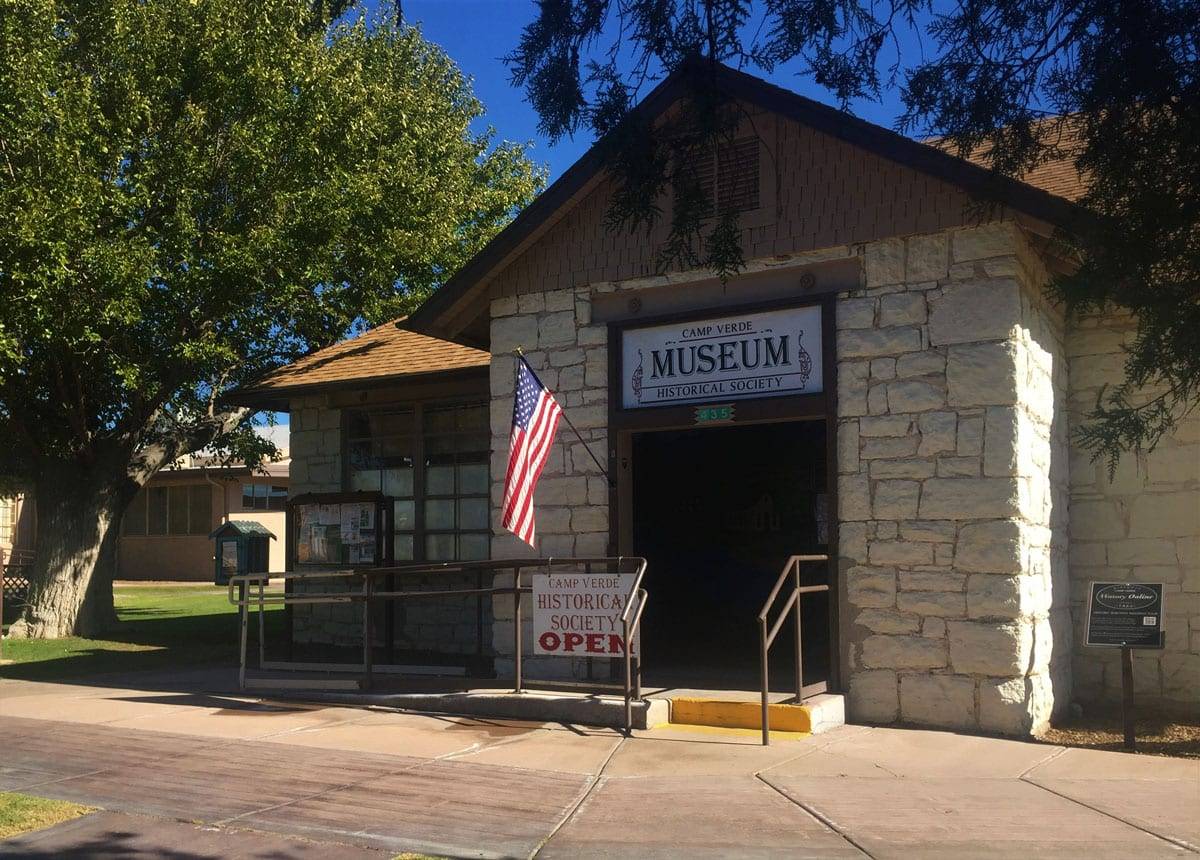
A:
<point x="262" y="497"/>
<point x="433" y="461"/>
<point x="7" y="509"/>
<point x="178" y="509"/>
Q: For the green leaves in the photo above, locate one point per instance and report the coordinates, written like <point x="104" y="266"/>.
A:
<point x="198" y="192"/>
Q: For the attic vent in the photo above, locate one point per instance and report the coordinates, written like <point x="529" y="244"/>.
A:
<point x="735" y="166"/>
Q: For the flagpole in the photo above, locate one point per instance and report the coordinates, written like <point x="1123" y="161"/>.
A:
<point x="570" y="423"/>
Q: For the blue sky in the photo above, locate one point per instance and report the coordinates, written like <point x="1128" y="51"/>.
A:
<point x="478" y="33"/>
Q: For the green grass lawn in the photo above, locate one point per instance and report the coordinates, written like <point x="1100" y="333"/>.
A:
<point x="21" y="813"/>
<point x="157" y="628"/>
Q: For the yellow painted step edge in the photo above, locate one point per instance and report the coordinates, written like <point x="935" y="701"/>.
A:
<point x="740" y="715"/>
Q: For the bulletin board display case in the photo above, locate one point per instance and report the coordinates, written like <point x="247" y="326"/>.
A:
<point x="330" y="530"/>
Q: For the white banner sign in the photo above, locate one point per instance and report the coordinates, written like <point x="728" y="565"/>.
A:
<point x="579" y="614"/>
<point x="765" y="354"/>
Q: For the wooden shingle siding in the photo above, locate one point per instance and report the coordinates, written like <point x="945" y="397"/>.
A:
<point x="827" y="193"/>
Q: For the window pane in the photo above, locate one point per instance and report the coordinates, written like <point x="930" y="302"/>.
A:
<point x="473" y="478"/>
<point x="277" y="501"/>
<point x="177" y="508"/>
<point x="368" y="480"/>
<point x="439" y="547"/>
<point x="472" y="547"/>
<point x="248" y="496"/>
<point x="473" y="417"/>
<point x="474" y="448"/>
<point x="405" y="516"/>
<point x="439" y="481"/>
<point x="439" y="514"/>
<point x="473" y="513"/>
<point x="389" y="423"/>
<point x="134" y="521"/>
<point x="362" y="456"/>
<point x="398" y="482"/>
<point x="158" y="511"/>
<point x="403" y="547"/>
<point x="440" y="419"/>
<point x="200" y="509"/>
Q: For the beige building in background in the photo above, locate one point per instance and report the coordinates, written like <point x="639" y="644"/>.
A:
<point x="165" y="531"/>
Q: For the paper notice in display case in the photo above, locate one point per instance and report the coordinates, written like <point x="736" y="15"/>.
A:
<point x="336" y="533"/>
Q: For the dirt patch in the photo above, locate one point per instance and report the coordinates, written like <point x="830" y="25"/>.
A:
<point x="1158" y="735"/>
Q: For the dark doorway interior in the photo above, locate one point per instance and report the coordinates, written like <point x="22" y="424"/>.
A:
<point x="716" y="513"/>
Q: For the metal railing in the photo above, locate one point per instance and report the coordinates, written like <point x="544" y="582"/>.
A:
<point x="791" y="570"/>
<point x="368" y="594"/>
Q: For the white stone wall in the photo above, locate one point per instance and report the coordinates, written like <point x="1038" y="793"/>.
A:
<point x="316" y="446"/>
<point x="952" y="484"/>
<point x="570" y="356"/>
<point x="1140" y="524"/>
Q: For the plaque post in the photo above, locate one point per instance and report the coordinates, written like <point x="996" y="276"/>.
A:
<point x="1127" y="696"/>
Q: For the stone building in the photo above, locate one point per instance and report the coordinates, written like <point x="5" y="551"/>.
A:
<point x="916" y="425"/>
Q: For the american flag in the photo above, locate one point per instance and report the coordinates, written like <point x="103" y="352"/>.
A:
<point x="535" y="420"/>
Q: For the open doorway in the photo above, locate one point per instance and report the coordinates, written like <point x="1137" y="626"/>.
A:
<point x="717" y="512"/>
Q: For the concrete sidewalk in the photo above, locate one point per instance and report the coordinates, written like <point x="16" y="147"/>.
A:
<point x="157" y="753"/>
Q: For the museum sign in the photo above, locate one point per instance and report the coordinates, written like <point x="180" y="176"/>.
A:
<point x="765" y="354"/>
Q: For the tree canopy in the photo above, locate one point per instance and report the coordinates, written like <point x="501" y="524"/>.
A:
<point x="1115" y="86"/>
<point x="195" y="193"/>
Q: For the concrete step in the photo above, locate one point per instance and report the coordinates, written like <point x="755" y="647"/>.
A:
<point x="817" y="714"/>
<point x="549" y="707"/>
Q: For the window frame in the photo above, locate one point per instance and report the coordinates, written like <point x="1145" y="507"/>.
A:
<point x="416" y="431"/>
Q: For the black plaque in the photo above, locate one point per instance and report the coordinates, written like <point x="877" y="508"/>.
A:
<point x="1125" y="614"/>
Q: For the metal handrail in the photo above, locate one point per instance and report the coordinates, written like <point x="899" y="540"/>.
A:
<point x="790" y="569"/>
<point x="632" y="686"/>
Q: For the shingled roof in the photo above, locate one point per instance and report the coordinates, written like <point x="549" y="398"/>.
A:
<point x="385" y="353"/>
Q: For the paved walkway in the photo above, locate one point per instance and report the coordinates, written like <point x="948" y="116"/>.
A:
<point x="191" y="775"/>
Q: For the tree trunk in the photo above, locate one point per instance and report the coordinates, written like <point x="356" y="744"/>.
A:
<point x="70" y="588"/>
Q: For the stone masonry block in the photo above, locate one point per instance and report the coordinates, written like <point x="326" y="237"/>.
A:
<point x="900" y="552"/>
<point x="555" y="329"/>
<point x="903" y="652"/>
<point x="874" y="696"/>
<point x="925" y="363"/>
<point x="883" y="262"/>
<point x="902" y="309"/>
<point x="896" y="500"/>
<point x="1005" y="706"/>
<point x="928" y="258"/>
<point x="510" y="332"/>
<point x="1000" y="650"/>
<point x="871" y="587"/>
<point x="856" y="313"/>
<point x="875" y="343"/>
<point x="938" y="432"/>
<point x="991" y="547"/>
<point x="969" y="498"/>
<point x="888" y="621"/>
<point x="938" y="700"/>
<point x="971" y="312"/>
<point x="982" y="374"/>
<point x="913" y="395"/>
<point x="989" y="240"/>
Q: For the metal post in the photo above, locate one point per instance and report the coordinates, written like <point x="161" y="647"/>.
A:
<point x="762" y="655"/>
<point x="244" y="622"/>
<point x="628" y="679"/>
<point x="799" y="643"/>
<point x="1127" y="696"/>
<point x="517" y="646"/>
<point x="368" y="651"/>
<point x="262" y="634"/>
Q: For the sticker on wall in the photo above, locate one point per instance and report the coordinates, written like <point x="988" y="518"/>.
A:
<point x="765" y="354"/>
